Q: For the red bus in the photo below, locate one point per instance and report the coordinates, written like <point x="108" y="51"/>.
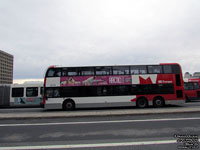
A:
<point x="119" y="85"/>
<point x="192" y="89"/>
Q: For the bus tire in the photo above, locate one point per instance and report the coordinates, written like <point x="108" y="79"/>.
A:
<point x="142" y="102"/>
<point x="68" y="104"/>
<point x="158" y="102"/>
<point x="187" y="99"/>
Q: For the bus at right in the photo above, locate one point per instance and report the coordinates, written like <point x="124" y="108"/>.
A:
<point x="192" y="89"/>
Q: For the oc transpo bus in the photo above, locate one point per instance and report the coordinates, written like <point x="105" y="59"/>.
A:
<point x="21" y="94"/>
<point x="120" y="85"/>
<point x="192" y="89"/>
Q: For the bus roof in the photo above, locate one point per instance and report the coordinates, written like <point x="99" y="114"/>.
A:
<point x="28" y="85"/>
<point x="57" y="66"/>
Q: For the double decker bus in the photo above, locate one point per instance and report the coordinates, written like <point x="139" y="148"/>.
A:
<point x="192" y="89"/>
<point x="119" y="85"/>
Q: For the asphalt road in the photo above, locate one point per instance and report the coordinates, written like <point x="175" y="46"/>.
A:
<point x="124" y="132"/>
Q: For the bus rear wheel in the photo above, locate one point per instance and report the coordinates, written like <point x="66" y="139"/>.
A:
<point x="68" y="105"/>
<point x="142" y="102"/>
<point x="158" y="102"/>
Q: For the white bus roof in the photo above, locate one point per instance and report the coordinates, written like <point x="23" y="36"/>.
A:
<point x="28" y="85"/>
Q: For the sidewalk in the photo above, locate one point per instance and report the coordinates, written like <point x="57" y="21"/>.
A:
<point x="41" y="114"/>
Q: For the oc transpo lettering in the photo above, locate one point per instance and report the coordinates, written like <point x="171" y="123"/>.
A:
<point x="115" y="80"/>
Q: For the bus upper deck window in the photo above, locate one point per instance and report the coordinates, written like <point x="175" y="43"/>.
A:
<point x="120" y="70"/>
<point x="155" y="69"/>
<point x="54" y="72"/>
<point x="73" y="72"/>
<point x="57" y="73"/>
<point x="104" y="70"/>
<point x="51" y="73"/>
<point x="167" y="69"/>
<point x="138" y="70"/>
<point x="88" y="71"/>
<point x="176" y="69"/>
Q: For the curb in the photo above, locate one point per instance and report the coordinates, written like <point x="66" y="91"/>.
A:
<point x="97" y="113"/>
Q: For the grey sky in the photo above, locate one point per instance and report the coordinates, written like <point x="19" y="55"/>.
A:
<point x="40" y="33"/>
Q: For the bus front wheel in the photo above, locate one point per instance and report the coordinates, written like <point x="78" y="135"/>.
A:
<point x="68" y="105"/>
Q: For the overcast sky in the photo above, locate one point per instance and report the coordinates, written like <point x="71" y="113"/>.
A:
<point x="40" y="33"/>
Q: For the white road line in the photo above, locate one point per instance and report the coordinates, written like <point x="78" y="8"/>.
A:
<point x="89" y="145"/>
<point x="100" y="122"/>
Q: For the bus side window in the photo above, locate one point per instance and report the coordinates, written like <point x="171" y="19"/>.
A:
<point x="138" y="70"/>
<point x="54" y="72"/>
<point x="176" y="69"/>
<point x="31" y="91"/>
<point x="64" y="72"/>
<point x="104" y="90"/>
<point x="56" y="92"/>
<point x="142" y="69"/>
<point x="17" y="92"/>
<point x="188" y="86"/>
<point x="103" y="71"/>
<point x="185" y="86"/>
<point x="120" y="70"/>
<point x="89" y="71"/>
<point x="134" y="70"/>
<point x="167" y="69"/>
<point x="155" y="69"/>
<point x="196" y="85"/>
<point x="50" y="72"/>
<point x="73" y="72"/>
<point x="57" y="73"/>
<point x="49" y="92"/>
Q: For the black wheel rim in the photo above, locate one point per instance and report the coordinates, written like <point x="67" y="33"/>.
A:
<point x="142" y="103"/>
<point x="69" y="105"/>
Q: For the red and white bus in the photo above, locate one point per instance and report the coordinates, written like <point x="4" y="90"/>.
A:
<point x="192" y="89"/>
<point x="124" y="85"/>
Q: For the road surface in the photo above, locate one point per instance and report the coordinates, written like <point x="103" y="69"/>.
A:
<point x="102" y="133"/>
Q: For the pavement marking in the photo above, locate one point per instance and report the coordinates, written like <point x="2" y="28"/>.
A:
<point x="89" y="145"/>
<point x="99" y="122"/>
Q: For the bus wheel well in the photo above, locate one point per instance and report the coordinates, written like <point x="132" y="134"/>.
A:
<point x="142" y="102"/>
<point x="158" y="101"/>
<point x="68" y="104"/>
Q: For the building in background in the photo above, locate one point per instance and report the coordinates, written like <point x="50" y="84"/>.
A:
<point x="6" y="68"/>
